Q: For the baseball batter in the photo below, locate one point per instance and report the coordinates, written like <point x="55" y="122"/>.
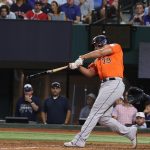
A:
<point x="108" y="65"/>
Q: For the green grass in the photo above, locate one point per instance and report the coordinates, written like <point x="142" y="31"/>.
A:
<point x="5" y="135"/>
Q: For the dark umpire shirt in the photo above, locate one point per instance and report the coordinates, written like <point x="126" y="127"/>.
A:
<point x="56" y="109"/>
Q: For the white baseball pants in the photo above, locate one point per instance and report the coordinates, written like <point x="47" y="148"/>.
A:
<point x="101" y="112"/>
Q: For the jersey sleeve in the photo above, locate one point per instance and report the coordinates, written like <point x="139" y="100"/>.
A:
<point x="93" y="66"/>
<point x="116" y="48"/>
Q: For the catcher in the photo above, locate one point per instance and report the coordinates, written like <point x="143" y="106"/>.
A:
<point x="138" y="98"/>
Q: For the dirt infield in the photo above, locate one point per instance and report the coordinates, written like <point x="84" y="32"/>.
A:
<point x="46" y="145"/>
<point x="55" y="145"/>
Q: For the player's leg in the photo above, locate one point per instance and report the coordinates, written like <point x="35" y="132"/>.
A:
<point x="114" y="125"/>
<point x="103" y="102"/>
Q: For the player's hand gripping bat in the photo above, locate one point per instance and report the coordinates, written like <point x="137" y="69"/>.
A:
<point x="47" y="72"/>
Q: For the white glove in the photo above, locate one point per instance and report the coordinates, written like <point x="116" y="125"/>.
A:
<point x="79" y="62"/>
<point x="73" y="66"/>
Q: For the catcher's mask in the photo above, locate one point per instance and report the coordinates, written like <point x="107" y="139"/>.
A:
<point x="99" y="41"/>
<point x="135" y="95"/>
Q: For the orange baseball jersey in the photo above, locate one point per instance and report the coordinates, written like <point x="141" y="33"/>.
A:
<point x="110" y="65"/>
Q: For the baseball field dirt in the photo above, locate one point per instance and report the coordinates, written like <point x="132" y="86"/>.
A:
<point x="9" y="143"/>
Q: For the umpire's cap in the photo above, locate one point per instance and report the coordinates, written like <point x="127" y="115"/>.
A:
<point x="100" y="40"/>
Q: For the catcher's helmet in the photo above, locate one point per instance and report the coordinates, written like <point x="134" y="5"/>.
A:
<point x="135" y="95"/>
<point x="100" y="40"/>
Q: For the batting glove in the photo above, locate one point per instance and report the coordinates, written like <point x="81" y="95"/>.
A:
<point x="79" y="62"/>
<point x="73" y="66"/>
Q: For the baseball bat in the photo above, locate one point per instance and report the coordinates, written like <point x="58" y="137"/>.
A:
<point x="47" y="72"/>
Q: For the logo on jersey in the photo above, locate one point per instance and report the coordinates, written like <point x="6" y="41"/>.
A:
<point x="106" y="60"/>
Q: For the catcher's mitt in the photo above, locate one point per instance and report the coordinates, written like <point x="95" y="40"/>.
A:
<point x="135" y="95"/>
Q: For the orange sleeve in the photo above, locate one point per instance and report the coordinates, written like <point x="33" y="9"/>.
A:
<point x="93" y="66"/>
<point x="115" y="48"/>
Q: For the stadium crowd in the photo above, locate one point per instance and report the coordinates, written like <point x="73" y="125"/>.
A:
<point x="78" y="11"/>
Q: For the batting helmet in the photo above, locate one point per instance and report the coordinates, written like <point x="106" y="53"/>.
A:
<point x="100" y="40"/>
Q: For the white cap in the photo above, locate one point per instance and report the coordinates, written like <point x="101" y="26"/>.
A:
<point x="28" y="87"/>
<point x="140" y="114"/>
<point x="91" y="95"/>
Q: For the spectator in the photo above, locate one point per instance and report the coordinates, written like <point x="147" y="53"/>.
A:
<point x="6" y="2"/>
<point x="103" y="9"/>
<point x="147" y="113"/>
<point x="140" y="120"/>
<point x="146" y="10"/>
<point x="90" y="2"/>
<point x="147" y="18"/>
<point x="36" y="13"/>
<point x="60" y="2"/>
<point x="86" y="109"/>
<point x="46" y="7"/>
<point x="109" y="11"/>
<point x="87" y="6"/>
<point x="5" y="13"/>
<point x="72" y="11"/>
<point x="147" y="110"/>
<point x="56" y="109"/>
<point x="119" y="101"/>
<point x="28" y="105"/>
<point x="10" y="15"/>
<point x="97" y="4"/>
<point x="125" y="113"/>
<point x="86" y="11"/>
<point x="56" y="13"/>
<point x="138" y="17"/>
<point x="20" y="8"/>
<point x="31" y="3"/>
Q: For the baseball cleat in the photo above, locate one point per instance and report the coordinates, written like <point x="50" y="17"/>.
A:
<point x="71" y="144"/>
<point x="134" y="141"/>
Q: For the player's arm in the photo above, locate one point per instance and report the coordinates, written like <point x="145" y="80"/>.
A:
<point x="89" y="72"/>
<point x="32" y="103"/>
<point x="68" y="116"/>
<point x="106" y="50"/>
<point x="34" y="106"/>
<point x="44" y="116"/>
